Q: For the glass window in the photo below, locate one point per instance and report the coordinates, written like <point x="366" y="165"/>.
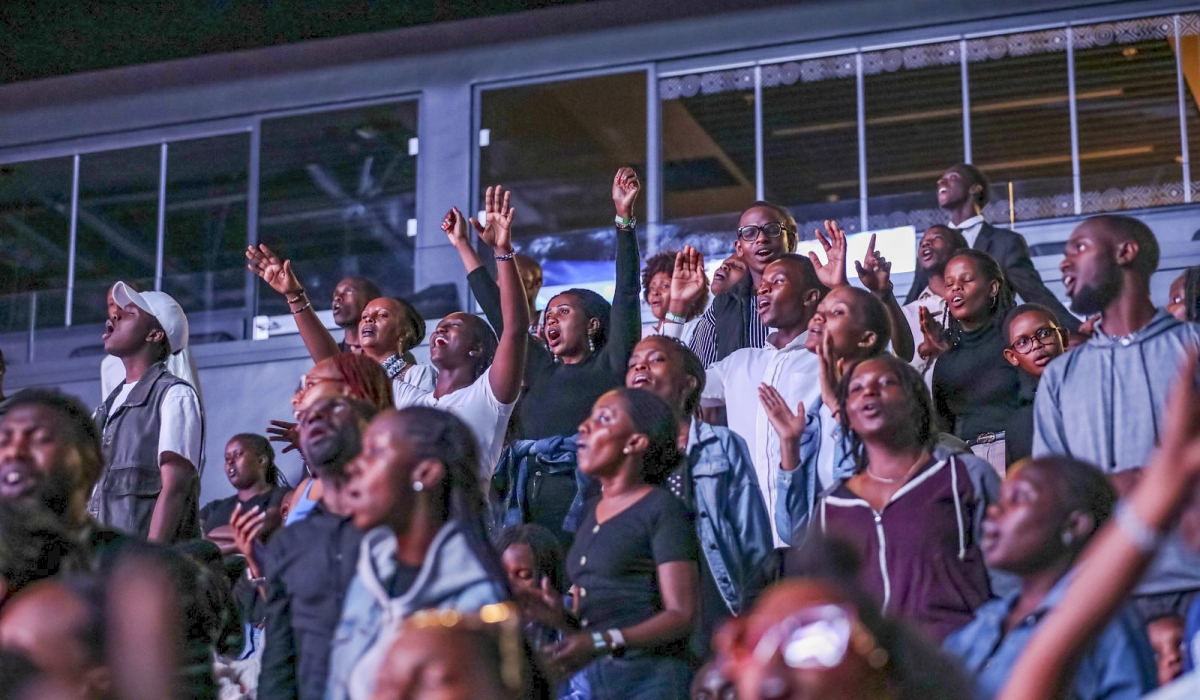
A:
<point x="35" y="234"/>
<point x="1128" y="106"/>
<point x="1189" y="54"/>
<point x="117" y="232"/>
<point x="810" y="140"/>
<point x="557" y="146"/>
<point x="336" y="193"/>
<point x="205" y="225"/>
<point x="1021" y="123"/>
<point x="913" y="104"/>
<point x="708" y="159"/>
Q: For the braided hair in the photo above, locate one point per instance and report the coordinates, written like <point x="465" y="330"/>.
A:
<point x="656" y="420"/>
<point x="365" y="378"/>
<point x="262" y="447"/>
<point x="920" y="406"/>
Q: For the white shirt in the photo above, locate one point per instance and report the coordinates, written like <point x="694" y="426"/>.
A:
<point x="179" y="421"/>
<point x="673" y="330"/>
<point x="474" y="405"/>
<point x="912" y="313"/>
<point x="112" y="375"/>
<point x="970" y="229"/>
<point x="424" y="377"/>
<point x="733" y="382"/>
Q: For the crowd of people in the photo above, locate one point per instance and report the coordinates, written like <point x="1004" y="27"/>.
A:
<point x="782" y="486"/>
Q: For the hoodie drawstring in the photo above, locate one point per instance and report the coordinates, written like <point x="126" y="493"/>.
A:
<point x="958" y="512"/>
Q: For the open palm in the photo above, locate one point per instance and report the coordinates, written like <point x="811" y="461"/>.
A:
<point x="496" y="231"/>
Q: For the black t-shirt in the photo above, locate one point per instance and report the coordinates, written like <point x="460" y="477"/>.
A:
<point x="974" y="387"/>
<point x="615" y="564"/>
<point x="218" y="513"/>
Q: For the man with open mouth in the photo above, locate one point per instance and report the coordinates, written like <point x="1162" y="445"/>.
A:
<point x="765" y="232"/>
<point x="963" y="192"/>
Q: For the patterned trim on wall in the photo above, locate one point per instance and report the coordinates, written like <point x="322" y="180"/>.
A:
<point x="992" y="48"/>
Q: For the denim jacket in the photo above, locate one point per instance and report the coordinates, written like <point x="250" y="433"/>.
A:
<point x="731" y="520"/>
<point x="451" y="576"/>
<point x="526" y="460"/>
<point x="1119" y="666"/>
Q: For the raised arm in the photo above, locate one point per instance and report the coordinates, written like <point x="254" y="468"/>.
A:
<point x="509" y="364"/>
<point x="875" y="272"/>
<point x="832" y="273"/>
<point x="279" y="276"/>
<point x="483" y="287"/>
<point x="1116" y="558"/>
<point x="625" y="317"/>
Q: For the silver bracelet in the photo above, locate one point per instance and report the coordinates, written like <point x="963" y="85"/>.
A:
<point x="506" y="256"/>
<point x="1145" y="538"/>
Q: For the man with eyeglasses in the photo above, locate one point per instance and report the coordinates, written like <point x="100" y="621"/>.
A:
<point x="963" y="192"/>
<point x="765" y="232"/>
<point x="1034" y="339"/>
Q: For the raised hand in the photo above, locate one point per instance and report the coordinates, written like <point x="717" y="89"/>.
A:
<point x="935" y="342"/>
<point x="832" y="367"/>
<point x="875" y="272"/>
<point x="625" y="191"/>
<point x="832" y="273"/>
<point x="1087" y="329"/>
<point x="496" y="231"/>
<point x="247" y="527"/>
<point x="285" y="432"/>
<point x="275" y="272"/>
<point x="788" y="425"/>
<point x="455" y="226"/>
<point x="688" y="281"/>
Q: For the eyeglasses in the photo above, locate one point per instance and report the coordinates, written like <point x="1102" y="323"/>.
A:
<point x="772" y="230"/>
<point x="1025" y="344"/>
<point x="818" y="638"/>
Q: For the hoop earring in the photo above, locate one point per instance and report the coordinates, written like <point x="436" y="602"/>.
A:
<point x="995" y="301"/>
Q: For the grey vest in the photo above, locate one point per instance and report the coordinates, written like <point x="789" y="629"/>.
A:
<point x="128" y="488"/>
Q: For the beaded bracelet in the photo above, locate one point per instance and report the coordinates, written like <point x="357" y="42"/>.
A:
<point x="302" y="308"/>
<point x="506" y="256"/>
<point x="296" y="299"/>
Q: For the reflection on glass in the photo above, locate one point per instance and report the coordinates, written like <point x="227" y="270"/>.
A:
<point x="913" y="103"/>
<point x="556" y="146"/>
<point x="1129" y="147"/>
<point x="707" y="143"/>
<point x="336" y="193"/>
<point x="810" y="140"/>
<point x="1021" y="123"/>
<point x="35" y="212"/>
<point x="205" y="225"/>
<point x="117" y="235"/>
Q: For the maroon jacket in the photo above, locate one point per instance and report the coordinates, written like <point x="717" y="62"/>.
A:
<point x="920" y="555"/>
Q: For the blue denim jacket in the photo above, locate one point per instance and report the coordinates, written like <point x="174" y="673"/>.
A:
<point x="731" y="520"/>
<point x="1119" y="666"/>
<point x="450" y="577"/>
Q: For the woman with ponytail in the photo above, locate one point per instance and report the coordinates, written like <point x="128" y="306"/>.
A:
<point x="250" y="466"/>
<point x="415" y="490"/>
<point x="633" y="563"/>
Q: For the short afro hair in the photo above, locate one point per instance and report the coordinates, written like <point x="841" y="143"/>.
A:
<point x="1127" y="228"/>
<point x="665" y="263"/>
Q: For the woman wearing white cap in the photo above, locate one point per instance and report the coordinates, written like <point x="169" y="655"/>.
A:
<point x="153" y="427"/>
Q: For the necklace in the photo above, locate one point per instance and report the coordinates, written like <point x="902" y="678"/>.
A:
<point x="920" y="460"/>
<point x="392" y="366"/>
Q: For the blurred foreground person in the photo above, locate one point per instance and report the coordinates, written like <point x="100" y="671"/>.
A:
<point x="1166" y="494"/>
<point x="415" y="491"/>
<point x="33" y="546"/>
<point x="446" y="655"/>
<point x="59" y="626"/>
<point x="1048" y="511"/>
<point x="307" y="567"/>
<point x="811" y="640"/>
<point x="50" y="457"/>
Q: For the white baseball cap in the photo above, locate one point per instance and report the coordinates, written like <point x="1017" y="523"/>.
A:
<point x="161" y="306"/>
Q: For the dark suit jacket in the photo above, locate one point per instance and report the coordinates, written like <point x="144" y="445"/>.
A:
<point x="1010" y="250"/>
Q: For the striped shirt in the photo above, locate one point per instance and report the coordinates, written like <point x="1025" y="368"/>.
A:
<point x="704" y="339"/>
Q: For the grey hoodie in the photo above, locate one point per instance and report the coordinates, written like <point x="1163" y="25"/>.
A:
<point x="1103" y="403"/>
